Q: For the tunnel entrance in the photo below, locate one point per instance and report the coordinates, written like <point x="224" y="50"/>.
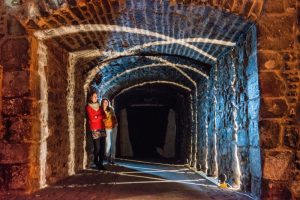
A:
<point x="147" y="130"/>
<point x="152" y="120"/>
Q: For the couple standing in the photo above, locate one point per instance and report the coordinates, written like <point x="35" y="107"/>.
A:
<point x="103" y="127"/>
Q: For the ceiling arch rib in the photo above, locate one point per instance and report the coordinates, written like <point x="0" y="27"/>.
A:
<point x="158" y="82"/>
<point x="91" y="74"/>
<point x="144" y="75"/>
<point x="91" y="53"/>
<point x="143" y="67"/>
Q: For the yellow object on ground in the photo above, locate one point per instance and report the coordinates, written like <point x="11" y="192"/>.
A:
<point x="223" y="185"/>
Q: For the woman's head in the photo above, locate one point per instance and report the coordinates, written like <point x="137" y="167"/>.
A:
<point x="105" y="103"/>
<point x="93" y="98"/>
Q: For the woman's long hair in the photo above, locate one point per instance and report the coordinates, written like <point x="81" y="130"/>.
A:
<point x="108" y="109"/>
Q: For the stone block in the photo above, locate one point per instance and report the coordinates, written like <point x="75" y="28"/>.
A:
<point x="252" y="67"/>
<point x="255" y="161"/>
<point x="270" y="60"/>
<point x="275" y="6"/>
<point x="14" y="27"/>
<point x="4" y="177"/>
<point x="271" y="43"/>
<point x="290" y="4"/>
<point x="253" y="87"/>
<point x="13" y="153"/>
<point x="295" y="189"/>
<point x="253" y="108"/>
<point x="271" y="85"/>
<point x="15" y="84"/>
<point x="14" y="55"/>
<point x="269" y="133"/>
<point x="276" y="26"/>
<point x="253" y="133"/>
<point x="278" y="165"/>
<point x="242" y="139"/>
<point x="273" y="108"/>
<point x="256" y="186"/>
<point x="20" y="130"/>
<point x="275" y="190"/>
<point x="19" y="106"/>
<point x="19" y="176"/>
<point x="291" y="137"/>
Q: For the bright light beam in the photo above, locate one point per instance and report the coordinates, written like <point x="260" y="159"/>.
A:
<point x="54" y="32"/>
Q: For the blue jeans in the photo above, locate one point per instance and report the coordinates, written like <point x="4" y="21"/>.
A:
<point x="111" y="138"/>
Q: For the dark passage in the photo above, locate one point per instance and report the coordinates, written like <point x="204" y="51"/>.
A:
<point x="147" y="130"/>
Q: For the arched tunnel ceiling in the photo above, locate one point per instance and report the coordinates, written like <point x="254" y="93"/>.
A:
<point x="144" y="76"/>
<point x="145" y="66"/>
<point x="107" y="27"/>
<point x="126" y="70"/>
<point x="99" y="31"/>
<point x="122" y="66"/>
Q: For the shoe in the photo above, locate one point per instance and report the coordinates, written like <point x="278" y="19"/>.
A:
<point x="101" y="167"/>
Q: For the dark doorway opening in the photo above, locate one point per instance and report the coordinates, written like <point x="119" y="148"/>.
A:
<point x="147" y="127"/>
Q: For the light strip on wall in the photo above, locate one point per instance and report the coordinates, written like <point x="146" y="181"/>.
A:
<point x="235" y="162"/>
<point x="42" y="62"/>
<point x="71" y="114"/>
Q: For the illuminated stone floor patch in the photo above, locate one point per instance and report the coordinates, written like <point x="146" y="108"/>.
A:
<point x="130" y="179"/>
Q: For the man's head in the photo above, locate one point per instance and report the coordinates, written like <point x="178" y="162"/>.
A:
<point x="222" y="178"/>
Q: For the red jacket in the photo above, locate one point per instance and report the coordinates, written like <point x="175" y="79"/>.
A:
<point x="95" y="118"/>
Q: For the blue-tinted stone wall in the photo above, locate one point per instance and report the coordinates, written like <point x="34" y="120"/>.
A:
<point x="232" y="116"/>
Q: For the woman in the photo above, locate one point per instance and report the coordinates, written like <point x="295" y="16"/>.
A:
<point x="111" y="125"/>
<point x="96" y="116"/>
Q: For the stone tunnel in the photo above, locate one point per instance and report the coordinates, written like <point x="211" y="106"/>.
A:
<point x="219" y="78"/>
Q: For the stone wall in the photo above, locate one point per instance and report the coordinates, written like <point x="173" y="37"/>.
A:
<point x="79" y="115"/>
<point x="278" y="58"/>
<point x="233" y="114"/>
<point x="17" y="117"/>
<point x="202" y="112"/>
<point x="58" y="145"/>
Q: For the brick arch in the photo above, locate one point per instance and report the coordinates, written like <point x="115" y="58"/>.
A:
<point x="176" y="21"/>
<point x="247" y="9"/>
<point x="113" y="65"/>
<point x="141" y="84"/>
<point x="127" y="80"/>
